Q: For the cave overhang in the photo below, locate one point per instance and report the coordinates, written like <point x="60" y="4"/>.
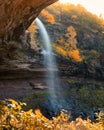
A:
<point x="17" y="15"/>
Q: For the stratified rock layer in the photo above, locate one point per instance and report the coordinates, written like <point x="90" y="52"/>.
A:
<point x="17" y="15"/>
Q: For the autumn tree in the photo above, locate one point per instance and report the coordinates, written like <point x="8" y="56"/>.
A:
<point x="48" y="17"/>
<point x="70" y="46"/>
<point x="71" y="39"/>
<point x="75" y="54"/>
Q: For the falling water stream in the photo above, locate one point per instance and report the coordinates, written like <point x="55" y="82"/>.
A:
<point x="50" y="63"/>
<point x="57" y="99"/>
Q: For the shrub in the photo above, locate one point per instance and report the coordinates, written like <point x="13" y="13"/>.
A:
<point x="12" y="117"/>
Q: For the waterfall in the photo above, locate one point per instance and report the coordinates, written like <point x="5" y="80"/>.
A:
<point x="48" y="52"/>
<point x="50" y="63"/>
<point x="56" y="98"/>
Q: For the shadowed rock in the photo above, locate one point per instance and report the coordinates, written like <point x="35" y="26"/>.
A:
<point x="17" y="15"/>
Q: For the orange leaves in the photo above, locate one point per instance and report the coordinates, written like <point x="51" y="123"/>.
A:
<point x="60" y="50"/>
<point x="39" y="114"/>
<point x="32" y="29"/>
<point x="49" y="17"/>
<point x="74" y="54"/>
<point x="27" y="120"/>
<point x="71" y="39"/>
<point x="71" y="31"/>
<point x="69" y="49"/>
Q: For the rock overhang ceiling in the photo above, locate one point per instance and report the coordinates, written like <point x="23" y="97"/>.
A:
<point x="17" y="15"/>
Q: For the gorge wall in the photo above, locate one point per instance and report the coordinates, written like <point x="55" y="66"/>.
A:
<point x="17" y="15"/>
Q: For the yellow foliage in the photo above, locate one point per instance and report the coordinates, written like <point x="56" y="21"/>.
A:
<point x="60" y="50"/>
<point x="71" y="31"/>
<point x="13" y="101"/>
<point x="49" y="17"/>
<point x="32" y="29"/>
<point x="13" y="119"/>
<point x="39" y="114"/>
<point x="74" y="54"/>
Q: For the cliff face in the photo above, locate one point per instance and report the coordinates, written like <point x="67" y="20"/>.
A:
<point x="74" y="31"/>
<point x="17" y="15"/>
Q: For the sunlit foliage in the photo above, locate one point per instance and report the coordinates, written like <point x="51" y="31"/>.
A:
<point x="69" y="49"/>
<point x="70" y="39"/>
<point x="74" y="29"/>
<point x="78" y="13"/>
<point x="32" y="29"/>
<point x="74" y="54"/>
<point x="88" y="27"/>
<point x="48" y="17"/>
<point x="12" y="117"/>
<point x="60" y="50"/>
